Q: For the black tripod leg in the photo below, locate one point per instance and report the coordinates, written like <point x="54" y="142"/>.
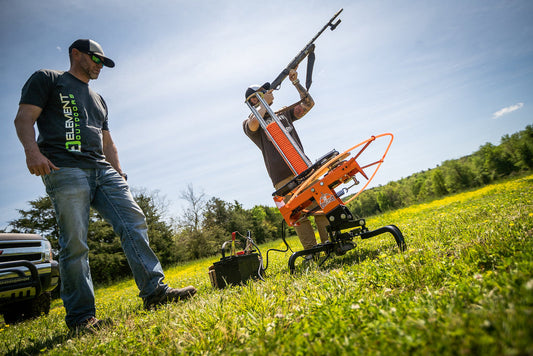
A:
<point x="318" y="248"/>
<point x="294" y="256"/>
<point x="393" y="229"/>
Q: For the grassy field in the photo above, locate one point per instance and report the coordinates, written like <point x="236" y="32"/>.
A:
<point x="465" y="286"/>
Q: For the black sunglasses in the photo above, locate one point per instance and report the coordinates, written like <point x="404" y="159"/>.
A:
<point x="96" y="59"/>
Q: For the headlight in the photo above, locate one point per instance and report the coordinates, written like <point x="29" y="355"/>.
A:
<point x="47" y="251"/>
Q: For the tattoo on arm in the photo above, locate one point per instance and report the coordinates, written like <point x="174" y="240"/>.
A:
<point x="306" y="104"/>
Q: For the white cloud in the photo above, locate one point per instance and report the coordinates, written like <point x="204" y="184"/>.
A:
<point x="507" y="110"/>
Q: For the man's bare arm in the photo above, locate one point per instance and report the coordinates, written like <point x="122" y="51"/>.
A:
<point x="306" y="101"/>
<point x="36" y="162"/>
<point x="110" y="151"/>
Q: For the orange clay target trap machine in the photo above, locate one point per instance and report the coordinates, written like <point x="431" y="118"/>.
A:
<point x="317" y="187"/>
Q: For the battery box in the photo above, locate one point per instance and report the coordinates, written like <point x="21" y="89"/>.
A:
<point x="235" y="269"/>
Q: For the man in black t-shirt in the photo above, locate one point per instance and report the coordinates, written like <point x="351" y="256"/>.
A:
<point x="277" y="168"/>
<point x="78" y="163"/>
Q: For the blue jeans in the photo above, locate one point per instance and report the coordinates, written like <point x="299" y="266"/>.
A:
<point x="73" y="191"/>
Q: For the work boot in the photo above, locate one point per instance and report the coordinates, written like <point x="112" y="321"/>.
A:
<point x="89" y="326"/>
<point x="169" y="295"/>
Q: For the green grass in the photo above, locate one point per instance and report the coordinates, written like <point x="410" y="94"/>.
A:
<point x="465" y="286"/>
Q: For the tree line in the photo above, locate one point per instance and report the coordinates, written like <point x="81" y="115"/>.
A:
<point x="207" y="222"/>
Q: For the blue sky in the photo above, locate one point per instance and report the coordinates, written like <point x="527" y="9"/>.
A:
<point x="445" y="77"/>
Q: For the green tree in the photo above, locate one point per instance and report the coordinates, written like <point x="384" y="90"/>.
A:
<point x="160" y="232"/>
<point x="366" y="204"/>
<point x="192" y="241"/>
<point x="439" y="185"/>
<point x="389" y="197"/>
<point x="458" y="176"/>
<point x="106" y="257"/>
<point x="38" y="219"/>
<point x="217" y="222"/>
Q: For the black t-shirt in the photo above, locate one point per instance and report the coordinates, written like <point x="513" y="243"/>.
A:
<point x="276" y="166"/>
<point x="71" y="123"/>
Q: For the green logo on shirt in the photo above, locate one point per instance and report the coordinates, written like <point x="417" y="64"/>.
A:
<point x="72" y="126"/>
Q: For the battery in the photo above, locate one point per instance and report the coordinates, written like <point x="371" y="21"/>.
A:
<point x="235" y="270"/>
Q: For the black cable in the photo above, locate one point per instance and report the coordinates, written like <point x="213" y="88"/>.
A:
<point x="249" y="239"/>
<point x="283" y="223"/>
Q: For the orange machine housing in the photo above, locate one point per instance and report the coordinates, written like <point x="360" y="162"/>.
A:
<point x="317" y="193"/>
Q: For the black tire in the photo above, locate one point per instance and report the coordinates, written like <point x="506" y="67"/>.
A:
<point x="28" y="309"/>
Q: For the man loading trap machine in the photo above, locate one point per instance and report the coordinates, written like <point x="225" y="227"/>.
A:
<point x="304" y="188"/>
